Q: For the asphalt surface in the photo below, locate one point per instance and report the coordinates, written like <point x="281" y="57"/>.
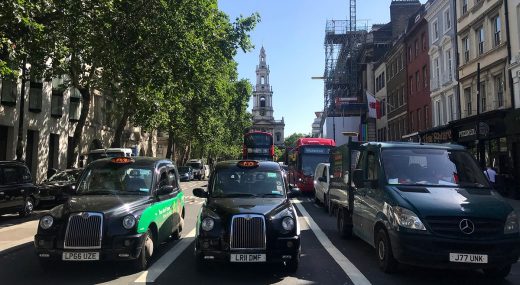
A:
<point x="174" y="262"/>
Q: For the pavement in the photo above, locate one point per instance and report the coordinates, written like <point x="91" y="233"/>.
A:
<point x="14" y="236"/>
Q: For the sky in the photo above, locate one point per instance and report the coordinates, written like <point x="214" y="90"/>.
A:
<point x="292" y="33"/>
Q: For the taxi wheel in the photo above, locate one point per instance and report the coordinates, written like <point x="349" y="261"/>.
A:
<point x="28" y="207"/>
<point x="291" y="266"/>
<point x="142" y="261"/>
<point x="385" y="257"/>
<point x="497" y="272"/>
<point x="177" y="233"/>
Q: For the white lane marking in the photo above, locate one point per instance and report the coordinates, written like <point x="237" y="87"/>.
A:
<point x="350" y="269"/>
<point x="160" y="265"/>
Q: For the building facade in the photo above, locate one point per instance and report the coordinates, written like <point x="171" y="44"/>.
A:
<point x="51" y="113"/>
<point x="514" y="30"/>
<point x="263" y="118"/>
<point x="443" y="69"/>
<point x="380" y="92"/>
<point x="417" y="73"/>
<point x="396" y="90"/>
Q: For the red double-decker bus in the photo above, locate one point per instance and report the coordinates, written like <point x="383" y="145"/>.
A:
<point x="258" y="146"/>
<point x="304" y="158"/>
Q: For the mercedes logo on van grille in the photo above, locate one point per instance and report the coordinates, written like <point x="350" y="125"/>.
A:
<point x="466" y="226"/>
<point x="85" y="215"/>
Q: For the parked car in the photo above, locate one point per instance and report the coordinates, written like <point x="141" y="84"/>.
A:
<point x="124" y="208"/>
<point x="198" y="168"/>
<point x="425" y="205"/>
<point x="18" y="194"/>
<point x="59" y="187"/>
<point x="248" y="216"/>
<point x="185" y="173"/>
<point x="321" y="184"/>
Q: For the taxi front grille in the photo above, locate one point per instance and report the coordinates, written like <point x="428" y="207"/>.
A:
<point x="248" y="232"/>
<point x="84" y="231"/>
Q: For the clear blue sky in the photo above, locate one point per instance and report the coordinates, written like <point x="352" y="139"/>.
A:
<point x="292" y="33"/>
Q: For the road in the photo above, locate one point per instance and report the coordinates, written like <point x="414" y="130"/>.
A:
<point x="326" y="259"/>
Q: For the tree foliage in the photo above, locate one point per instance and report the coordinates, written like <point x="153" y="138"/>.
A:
<point x="167" y="64"/>
<point x="290" y="141"/>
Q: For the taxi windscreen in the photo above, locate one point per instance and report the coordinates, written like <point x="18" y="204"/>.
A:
<point x="121" y="179"/>
<point x="247" y="183"/>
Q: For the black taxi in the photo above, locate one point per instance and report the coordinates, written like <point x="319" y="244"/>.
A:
<point x="124" y="208"/>
<point x="248" y="216"/>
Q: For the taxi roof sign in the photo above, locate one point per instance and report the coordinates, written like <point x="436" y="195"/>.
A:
<point x="122" y="160"/>
<point x="247" y="163"/>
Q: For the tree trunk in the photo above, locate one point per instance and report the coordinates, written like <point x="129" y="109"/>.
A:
<point x="170" y="144"/>
<point x="78" y="131"/>
<point x="118" y="135"/>
<point x="19" y="139"/>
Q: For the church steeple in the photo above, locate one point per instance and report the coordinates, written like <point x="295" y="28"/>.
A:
<point x="263" y="119"/>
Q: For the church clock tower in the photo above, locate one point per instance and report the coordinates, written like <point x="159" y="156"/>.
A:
<point x="263" y="118"/>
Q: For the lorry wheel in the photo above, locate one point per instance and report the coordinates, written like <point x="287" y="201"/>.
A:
<point x="385" y="257"/>
<point x="345" y="230"/>
<point x="497" y="272"/>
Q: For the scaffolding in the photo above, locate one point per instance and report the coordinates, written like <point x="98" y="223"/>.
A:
<point x="344" y="40"/>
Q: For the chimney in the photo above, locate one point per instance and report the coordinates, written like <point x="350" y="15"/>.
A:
<point x="400" y="11"/>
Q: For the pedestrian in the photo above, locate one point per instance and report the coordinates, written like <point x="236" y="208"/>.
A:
<point x="491" y="175"/>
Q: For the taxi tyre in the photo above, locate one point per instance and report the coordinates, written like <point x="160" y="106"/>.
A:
<point x="497" y="272"/>
<point x="345" y="230"/>
<point x="143" y="260"/>
<point x="385" y="256"/>
<point x="177" y="233"/>
<point x="291" y="266"/>
<point x="28" y="207"/>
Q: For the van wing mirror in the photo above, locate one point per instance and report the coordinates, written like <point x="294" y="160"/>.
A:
<point x="358" y="178"/>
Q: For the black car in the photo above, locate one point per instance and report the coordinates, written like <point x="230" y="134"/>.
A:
<point x="248" y="216"/>
<point x="17" y="191"/>
<point x="186" y="173"/>
<point x="123" y="209"/>
<point x="59" y="187"/>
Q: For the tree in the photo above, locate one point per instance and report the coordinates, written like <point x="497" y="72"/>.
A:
<point x="290" y="141"/>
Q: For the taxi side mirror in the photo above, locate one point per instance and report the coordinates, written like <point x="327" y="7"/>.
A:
<point x="199" y="192"/>
<point x="165" y="190"/>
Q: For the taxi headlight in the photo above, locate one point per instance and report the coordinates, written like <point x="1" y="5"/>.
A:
<point x="207" y="224"/>
<point x="46" y="222"/>
<point x="288" y="223"/>
<point x="511" y="226"/>
<point x="129" y="222"/>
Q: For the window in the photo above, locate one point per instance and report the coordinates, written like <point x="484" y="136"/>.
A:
<point x="410" y="53"/>
<point x="464" y="7"/>
<point x="383" y="107"/>
<point x="496" y="29"/>
<point x="499" y="87"/>
<point x="447" y="20"/>
<point x="465" y="46"/>
<point x="416" y="48"/>
<point x="420" y="122"/>
<point x="57" y="104"/>
<point x="9" y="92"/>
<point x="467" y="97"/>
<point x="426" y="117"/>
<point x="449" y="70"/>
<point x="74" y="105"/>
<point x="437" y="72"/>
<point x="372" y="166"/>
<point x="262" y="80"/>
<point x="480" y="39"/>
<point x="35" y="95"/>
<point x="417" y="81"/>
<point x="402" y="61"/>
<point x="483" y="101"/>
<point x="425" y="77"/>
<point x="262" y="102"/>
<point x="438" y="120"/>
<point x="435" y="30"/>
<point x="383" y="78"/>
<point x="449" y="112"/>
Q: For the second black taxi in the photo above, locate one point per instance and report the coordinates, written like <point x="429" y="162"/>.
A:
<point x="248" y="216"/>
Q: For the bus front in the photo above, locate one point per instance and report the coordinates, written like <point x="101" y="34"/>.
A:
<point x="309" y="156"/>
<point x="258" y="146"/>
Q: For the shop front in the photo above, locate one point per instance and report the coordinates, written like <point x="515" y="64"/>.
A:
<point x="512" y="121"/>
<point x="442" y="134"/>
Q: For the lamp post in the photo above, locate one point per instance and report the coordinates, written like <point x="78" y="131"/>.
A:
<point x="480" y="150"/>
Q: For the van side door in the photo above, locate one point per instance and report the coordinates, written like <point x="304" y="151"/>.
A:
<point x="374" y="198"/>
<point x="359" y="215"/>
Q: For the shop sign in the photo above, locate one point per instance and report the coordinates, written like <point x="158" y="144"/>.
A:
<point x="437" y="137"/>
